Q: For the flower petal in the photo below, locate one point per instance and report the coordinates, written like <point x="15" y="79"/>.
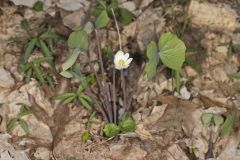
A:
<point x="126" y="56"/>
<point x="129" y="61"/>
<point x="118" y="55"/>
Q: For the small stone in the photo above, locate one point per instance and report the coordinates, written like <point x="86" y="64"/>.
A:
<point x="42" y="154"/>
<point x="145" y="3"/>
<point x="190" y="71"/>
<point x="185" y="94"/>
<point x="73" y="5"/>
<point x="129" y="5"/>
<point x="219" y="74"/>
<point x="6" y="80"/>
<point x="75" y="19"/>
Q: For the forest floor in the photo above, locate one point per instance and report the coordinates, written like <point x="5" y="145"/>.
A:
<point x="169" y="125"/>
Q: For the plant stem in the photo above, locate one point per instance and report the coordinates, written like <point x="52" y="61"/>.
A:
<point x="119" y="35"/>
<point x="99" y="53"/>
<point x="114" y="96"/>
<point x="124" y="89"/>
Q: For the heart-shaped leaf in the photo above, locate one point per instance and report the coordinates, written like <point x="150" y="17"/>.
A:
<point x="207" y="118"/>
<point x="125" y="16"/>
<point x="102" y="20"/>
<point x="78" y="39"/>
<point x="218" y="120"/>
<point x="172" y="51"/>
<point x="153" y="59"/>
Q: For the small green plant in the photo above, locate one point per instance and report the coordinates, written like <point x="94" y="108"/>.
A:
<point x="25" y="110"/>
<point x="103" y="12"/>
<point x="79" y="95"/>
<point x="170" y="51"/>
<point x="33" y="69"/>
<point x="85" y="136"/>
<point x="38" y="6"/>
<point x="42" y="39"/>
<point x="210" y="119"/>
<point x="126" y="124"/>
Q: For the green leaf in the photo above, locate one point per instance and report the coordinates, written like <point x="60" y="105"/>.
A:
<point x="172" y="51"/>
<point x="86" y="97"/>
<point x="38" y="6"/>
<point x="78" y="39"/>
<point x="39" y="74"/>
<point x="207" y="118"/>
<point x="125" y="16"/>
<point x="46" y="52"/>
<point x="29" y="75"/>
<point x="85" y="136"/>
<point x="51" y="82"/>
<point x="24" y="24"/>
<point x="227" y="125"/>
<point x="113" y="5"/>
<point x="85" y="103"/>
<point x="69" y="99"/>
<point x="29" y="48"/>
<point x="11" y="124"/>
<point x="97" y="10"/>
<point x="234" y="75"/>
<point x="127" y="125"/>
<point x="153" y="59"/>
<point x="24" y="113"/>
<point x="66" y="74"/>
<point x="191" y="62"/>
<point x="25" y="67"/>
<point x="111" y="130"/>
<point x="71" y="59"/>
<point x="102" y="20"/>
<point x="24" y="125"/>
<point x="63" y="96"/>
<point x="218" y="120"/>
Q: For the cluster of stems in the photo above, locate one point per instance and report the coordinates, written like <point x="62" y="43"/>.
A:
<point x="108" y="91"/>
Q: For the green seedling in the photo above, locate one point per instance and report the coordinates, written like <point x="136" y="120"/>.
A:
<point x="80" y="96"/>
<point x="33" y="69"/>
<point x="85" y="136"/>
<point x="37" y="38"/>
<point x="38" y="6"/>
<point x="25" y="110"/>
<point x="126" y="124"/>
<point x="103" y="12"/>
<point x="170" y="51"/>
<point x="111" y="130"/>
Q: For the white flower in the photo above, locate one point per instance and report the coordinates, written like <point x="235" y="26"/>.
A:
<point x="121" y="60"/>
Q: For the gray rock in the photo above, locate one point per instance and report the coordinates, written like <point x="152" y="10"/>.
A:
<point x="6" y="80"/>
<point x="219" y="18"/>
<point x="75" y="19"/>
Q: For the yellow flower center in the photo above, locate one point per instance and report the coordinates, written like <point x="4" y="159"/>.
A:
<point x="121" y="63"/>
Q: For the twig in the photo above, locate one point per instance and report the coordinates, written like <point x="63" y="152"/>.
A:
<point x="124" y="89"/>
<point x="119" y="35"/>
<point x="99" y="53"/>
<point x="114" y="96"/>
